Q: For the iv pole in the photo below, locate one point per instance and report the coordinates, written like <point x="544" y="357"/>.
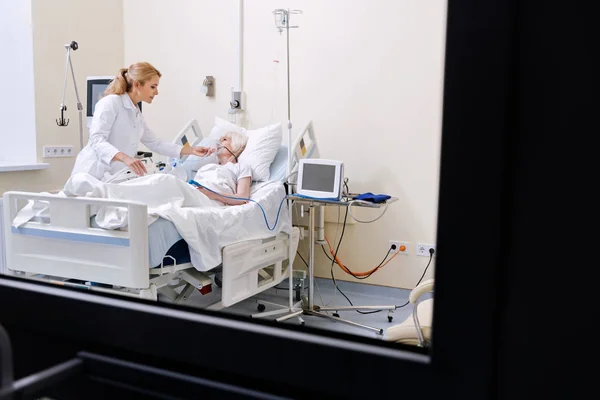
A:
<point x="295" y="310"/>
<point x="62" y="121"/>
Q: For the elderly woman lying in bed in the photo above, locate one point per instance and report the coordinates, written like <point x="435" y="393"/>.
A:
<point x="223" y="177"/>
<point x="206" y="223"/>
<point x="219" y="174"/>
<point x="166" y="194"/>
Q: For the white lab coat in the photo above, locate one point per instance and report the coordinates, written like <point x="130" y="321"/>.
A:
<point x="117" y="126"/>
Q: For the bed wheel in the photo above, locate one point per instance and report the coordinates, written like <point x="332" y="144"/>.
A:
<point x="261" y="307"/>
<point x="390" y="318"/>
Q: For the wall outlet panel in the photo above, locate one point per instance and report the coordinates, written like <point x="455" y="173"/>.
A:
<point x="58" y="151"/>
<point x="240" y="98"/>
<point x="423" y="249"/>
<point x="398" y="243"/>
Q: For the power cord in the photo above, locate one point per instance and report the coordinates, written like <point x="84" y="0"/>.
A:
<point x="352" y="202"/>
<point x="370" y="272"/>
<point x="333" y="261"/>
<point x="316" y="283"/>
<point x="431" y="251"/>
<point x="287" y="288"/>
<point x="336" y="260"/>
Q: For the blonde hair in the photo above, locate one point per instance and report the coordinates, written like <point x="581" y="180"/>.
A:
<point x="123" y="82"/>
<point x="238" y="142"/>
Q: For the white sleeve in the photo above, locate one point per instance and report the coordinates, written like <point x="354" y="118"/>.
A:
<point x="157" y="145"/>
<point x="244" y="171"/>
<point x="105" y="115"/>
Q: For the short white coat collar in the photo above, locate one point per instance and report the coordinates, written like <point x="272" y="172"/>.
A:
<point x="127" y="103"/>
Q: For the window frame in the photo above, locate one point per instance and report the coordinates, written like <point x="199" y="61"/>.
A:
<point x="473" y="203"/>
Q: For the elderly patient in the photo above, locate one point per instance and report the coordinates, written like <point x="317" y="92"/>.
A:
<point x="168" y="196"/>
<point x="223" y="174"/>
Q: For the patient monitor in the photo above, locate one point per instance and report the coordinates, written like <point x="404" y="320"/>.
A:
<point x="95" y="87"/>
<point x="320" y="178"/>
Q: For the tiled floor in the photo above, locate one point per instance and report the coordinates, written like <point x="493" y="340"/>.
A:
<point x="360" y="294"/>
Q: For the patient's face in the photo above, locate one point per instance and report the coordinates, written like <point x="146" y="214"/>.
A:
<point x="225" y="141"/>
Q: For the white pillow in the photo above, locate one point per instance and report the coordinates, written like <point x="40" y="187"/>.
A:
<point x="261" y="149"/>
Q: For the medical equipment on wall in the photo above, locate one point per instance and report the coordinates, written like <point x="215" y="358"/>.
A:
<point x="320" y="179"/>
<point x="96" y="85"/>
<point x="208" y="86"/>
<point x="62" y="121"/>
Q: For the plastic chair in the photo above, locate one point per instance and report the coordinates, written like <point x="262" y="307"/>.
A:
<point x="416" y="329"/>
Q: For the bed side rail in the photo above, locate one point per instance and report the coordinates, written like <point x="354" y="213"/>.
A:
<point x="66" y="245"/>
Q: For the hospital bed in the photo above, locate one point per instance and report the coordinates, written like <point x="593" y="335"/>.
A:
<point x="67" y="248"/>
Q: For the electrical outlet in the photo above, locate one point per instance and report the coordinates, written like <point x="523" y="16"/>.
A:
<point x="423" y="249"/>
<point x="58" y="151"/>
<point x="237" y="102"/>
<point x="398" y="244"/>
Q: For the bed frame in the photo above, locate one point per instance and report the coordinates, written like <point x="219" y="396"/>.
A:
<point x="64" y="248"/>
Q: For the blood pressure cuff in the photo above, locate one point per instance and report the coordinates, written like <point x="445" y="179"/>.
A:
<point x="373" y="198"/>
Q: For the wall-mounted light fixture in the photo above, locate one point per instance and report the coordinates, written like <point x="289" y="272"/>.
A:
<point x="208" y="86"/>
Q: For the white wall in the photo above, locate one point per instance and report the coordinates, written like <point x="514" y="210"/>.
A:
<point x="368" y="73"/>
<point x="185" y="43"/>
<point x="97" y="26"/>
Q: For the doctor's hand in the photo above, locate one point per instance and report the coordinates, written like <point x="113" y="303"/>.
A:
<point x="199" y="151"/>
<point x="134" y="164"/>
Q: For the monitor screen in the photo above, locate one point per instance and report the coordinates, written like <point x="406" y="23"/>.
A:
<point x="318" y="177"/>
<point x="95" y="91"/>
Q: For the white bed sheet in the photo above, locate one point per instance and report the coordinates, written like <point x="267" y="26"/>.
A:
<point x="162" y="234"/>
<point x="204" y="225"/>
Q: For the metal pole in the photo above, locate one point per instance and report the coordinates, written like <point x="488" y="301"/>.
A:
<point x="287" y="26"/>
<point x="348" y="322"/>
<point x="79" y="106"/>
<point x="290" y="254"/>
<point x="62" y="104"/>
<point x="311" y="255"/>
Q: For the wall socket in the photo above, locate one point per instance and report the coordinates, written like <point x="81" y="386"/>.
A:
<point x="423" y="249"/>
<point x="238" y="100"/>
<point x="398" y="244"/>
<point x="58" y="151"/>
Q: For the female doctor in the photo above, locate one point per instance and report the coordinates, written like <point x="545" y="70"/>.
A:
<point x="118" y="126"/>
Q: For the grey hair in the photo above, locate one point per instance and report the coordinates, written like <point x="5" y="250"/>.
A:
<point x="238" y="141"/>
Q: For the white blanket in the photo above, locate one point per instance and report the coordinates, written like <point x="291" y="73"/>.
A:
<point x="201" y="222"/>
